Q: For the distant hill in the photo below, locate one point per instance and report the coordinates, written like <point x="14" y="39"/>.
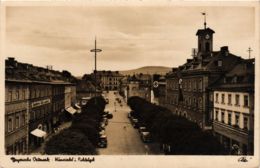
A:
<point x="147" y="70"/>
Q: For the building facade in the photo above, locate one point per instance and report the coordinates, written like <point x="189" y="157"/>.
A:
<point x="187" y="91"/>
<point x="34" y="99"/>
<point x="16" y="117"/>
<point x="107" y="80"/>
<point x="40" y="113"/>
<point x="233" y="106"/>
<point x="139" y="85"/>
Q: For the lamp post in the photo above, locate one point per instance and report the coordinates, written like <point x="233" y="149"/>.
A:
<point x="95" y="50"/>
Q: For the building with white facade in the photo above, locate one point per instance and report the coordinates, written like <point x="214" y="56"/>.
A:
<point x="234" y="109"/>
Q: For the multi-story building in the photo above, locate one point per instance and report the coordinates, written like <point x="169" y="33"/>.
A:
<point x="85" y="90"/>
<point x="16" y="114"/>
<point x="40" y="111"/>
<point x="139" y="85"/>
<point x="34" y="98"/>
<point x="233" y="104"/>
<point x="108" y="80"/>
<point x="187" y="85"/>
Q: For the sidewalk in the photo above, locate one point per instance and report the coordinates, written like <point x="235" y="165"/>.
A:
<point x="40" y="150"/>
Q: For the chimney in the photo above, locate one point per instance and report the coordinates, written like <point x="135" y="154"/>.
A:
<point x="11" y="61"/>
<point x="189" y="60"/>
<point x="224" y="50"/>
<point x="174" y="69"/>
<point x="194" y="52"/>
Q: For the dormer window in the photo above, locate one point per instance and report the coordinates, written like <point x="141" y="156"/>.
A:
<point x="234" y="79"/>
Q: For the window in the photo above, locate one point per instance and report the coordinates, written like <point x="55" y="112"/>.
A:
<point x="10" y="124"/>
<point x="200" y="102"/>
<point x="200" y="84"/>
<point x="16" y="96"/>
<point x="246" y="101"/>
<point x="236" y="119"/>
<point x="222" y="116"/>
<point x="237" y="100"/>
<point x="229" y="118"/>
<point x="229" y="99"/>
<point x="219" y="63"/>
<point x="194" y="102"/>
<point x="17" y="121"/>
<point x="24" y="94"/>
<point x="224" y="80"/>
<point x="216" y="115"/>
<point x="223" y="98"/>
<point x="10" y="96"/>
<point x="245" y="123"/>
<point x="33" y="95"/>
<point x="211" y="97"/>
<point x="234" y="80"/>
<point x="216" y="97"/>
<point x="195" y="85"/>
<point x="37" y="93"/>
<point x="23" y="120"/>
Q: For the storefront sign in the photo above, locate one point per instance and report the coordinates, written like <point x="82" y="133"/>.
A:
<point x="41" y="102"/>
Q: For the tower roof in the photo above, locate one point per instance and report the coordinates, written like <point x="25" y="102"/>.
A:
<point x="204" y="31"/>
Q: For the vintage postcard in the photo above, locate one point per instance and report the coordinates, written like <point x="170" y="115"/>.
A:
<point x="129" y="84"/>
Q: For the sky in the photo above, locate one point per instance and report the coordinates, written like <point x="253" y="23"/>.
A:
<point x="130" y="37"/>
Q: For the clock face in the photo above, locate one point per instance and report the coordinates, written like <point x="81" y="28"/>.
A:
<point x="207" y="36"/>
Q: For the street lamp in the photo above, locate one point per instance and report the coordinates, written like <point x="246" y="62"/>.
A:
<point x="95" y="50"/>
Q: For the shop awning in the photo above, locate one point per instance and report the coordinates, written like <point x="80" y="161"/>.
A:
<point x="71" y="110"/>
<point x="39" y="133"/>
<point x="77" y="106"/>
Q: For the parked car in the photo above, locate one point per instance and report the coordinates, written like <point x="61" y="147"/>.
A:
<point x="105" y="120"/>
<point x="102" y="132"/>
<point x="146" y="136"/>
<point x="142" y="129"/>
<point x="102" y="141"/>
<point x="102" y="126"/>
<point x="135" y="123"/>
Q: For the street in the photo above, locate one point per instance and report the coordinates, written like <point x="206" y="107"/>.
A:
<point x="122" y="138"/>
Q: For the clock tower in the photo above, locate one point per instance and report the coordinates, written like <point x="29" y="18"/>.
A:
<point x="205" y="40"/>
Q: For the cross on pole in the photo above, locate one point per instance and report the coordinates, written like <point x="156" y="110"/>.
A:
<point x="249" y="51"/>
<point x="95" y="50"/>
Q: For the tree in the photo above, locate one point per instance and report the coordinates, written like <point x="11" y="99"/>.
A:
<point x="182" y="135"/>
<point x="91" y="131"/>
<point x="70" y="142"/>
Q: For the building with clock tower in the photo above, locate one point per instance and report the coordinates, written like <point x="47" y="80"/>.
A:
<point x="192" y="97"/>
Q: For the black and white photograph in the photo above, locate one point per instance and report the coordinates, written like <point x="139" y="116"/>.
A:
<point x="141" y="80"/>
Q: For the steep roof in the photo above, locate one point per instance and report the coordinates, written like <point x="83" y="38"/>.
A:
<point x="17" y="71"/>
<point x="239" y="78"/>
